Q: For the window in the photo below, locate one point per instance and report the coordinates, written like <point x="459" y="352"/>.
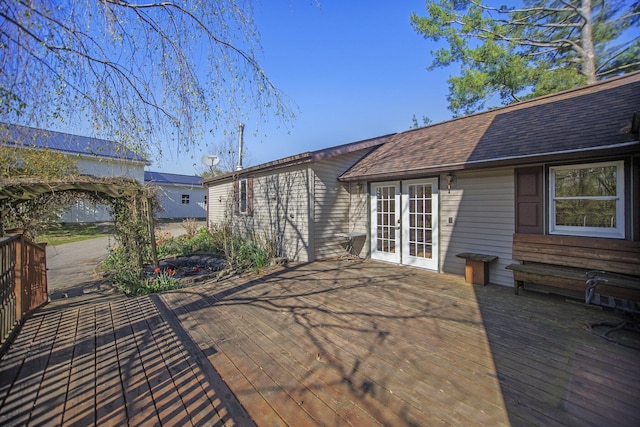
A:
<point x="243" y="196"/>
<point x="185" y="199"/>
<point x="242" y="199"/>
<point x="587" y="200"/>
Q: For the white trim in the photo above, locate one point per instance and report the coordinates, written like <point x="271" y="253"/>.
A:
<point x="380" y="255"/>
<point x="614" y="232"/>
<point x="430" y="263"/>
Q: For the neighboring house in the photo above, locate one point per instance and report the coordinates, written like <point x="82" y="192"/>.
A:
<point x="465" y="185"/>
<point x="297" y="203"/>
<point x="94" y="156"/>
<point x="180" y="196"/>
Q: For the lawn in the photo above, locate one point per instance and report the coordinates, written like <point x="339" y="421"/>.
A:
<point x="58" y="234"/>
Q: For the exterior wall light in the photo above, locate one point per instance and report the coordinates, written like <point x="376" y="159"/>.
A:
<point x="451" y="181"/>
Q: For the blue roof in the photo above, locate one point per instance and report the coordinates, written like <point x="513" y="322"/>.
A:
<point x="172" y="178"/>
<point x="24" y="136"/>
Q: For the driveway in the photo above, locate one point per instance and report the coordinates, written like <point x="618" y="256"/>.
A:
<point x="73" y="267"/>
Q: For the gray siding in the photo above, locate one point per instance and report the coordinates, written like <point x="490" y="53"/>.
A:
<point x="281" y="211"/>
<point x="219" y="198"/>
<point x="300" y="209"/>
<point x="333" y="206"/>
<point x="481" y="207"/>
<point x="359" y="217"/>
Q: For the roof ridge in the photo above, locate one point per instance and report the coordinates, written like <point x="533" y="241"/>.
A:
<point x="169" y="173"/>
<point x="66" y="142"/>
<point x="72" y="135"/>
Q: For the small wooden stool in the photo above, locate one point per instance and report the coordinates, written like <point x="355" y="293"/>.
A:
<point x="476" y="270"/>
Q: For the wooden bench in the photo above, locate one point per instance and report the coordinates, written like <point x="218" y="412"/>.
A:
<point x="561" y="263"/>
<point x="476" y="268"/>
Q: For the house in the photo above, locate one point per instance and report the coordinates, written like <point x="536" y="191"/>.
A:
<point x="296" y="203"/>
<point x="422" y="196"/>
<point x="180" y="196"/>
<point x="469" y="184"/>
<point x="94" y="156"/>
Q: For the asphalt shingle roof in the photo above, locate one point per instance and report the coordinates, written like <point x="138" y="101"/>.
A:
<point x="585" y="118"/>
<point x="24" y="136"/>
<point x="302" y="158"/>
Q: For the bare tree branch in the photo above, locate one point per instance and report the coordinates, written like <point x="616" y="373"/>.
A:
<point x="135" y="71"/>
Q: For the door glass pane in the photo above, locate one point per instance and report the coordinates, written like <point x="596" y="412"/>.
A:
<point x="386" y="217"/>
<point x="420" y="233"/>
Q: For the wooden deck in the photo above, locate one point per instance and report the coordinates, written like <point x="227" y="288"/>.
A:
<point x="327" y="343"/>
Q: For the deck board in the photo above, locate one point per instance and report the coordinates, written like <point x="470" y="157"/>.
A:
<point x="324" y="343"/>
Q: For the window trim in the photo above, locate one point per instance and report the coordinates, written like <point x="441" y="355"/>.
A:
<point x="618" y="232"/>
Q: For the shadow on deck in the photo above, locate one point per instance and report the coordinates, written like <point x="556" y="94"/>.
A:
<point x="326" y="343"/>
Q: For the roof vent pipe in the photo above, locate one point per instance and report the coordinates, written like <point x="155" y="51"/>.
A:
<point x="240" y="144"/>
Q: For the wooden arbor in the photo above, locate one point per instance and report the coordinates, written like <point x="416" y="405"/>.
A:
<point x="132" y="203"/>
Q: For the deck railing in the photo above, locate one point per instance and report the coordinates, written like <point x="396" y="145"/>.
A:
<point x="23" y="282"/>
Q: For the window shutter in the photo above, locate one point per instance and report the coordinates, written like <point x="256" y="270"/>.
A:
<point x="250" y="196"/>
<point x="529" y="200"/>
<point x="236" y="197"/>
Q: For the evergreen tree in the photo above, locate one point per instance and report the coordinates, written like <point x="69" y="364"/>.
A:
<point x="518" y="52"/>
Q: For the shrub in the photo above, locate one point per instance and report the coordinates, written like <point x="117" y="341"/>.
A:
<point x="247" y="254"/>
<point x="201" y="241"/>
<point x="190" y="226"/>
<point x="240" y="252"/>
<point x="131" y="284"/>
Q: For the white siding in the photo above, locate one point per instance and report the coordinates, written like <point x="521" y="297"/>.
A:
<point x="333" y="206"/>
<point x="84" y="211"/>
<point x="171" y="201"/>
<point x="481" y="208"/>
<point x="114" y="167"/>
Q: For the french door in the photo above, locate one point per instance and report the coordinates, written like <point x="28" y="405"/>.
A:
<point x="385" y="221"/>
<point x="404" y="221"/>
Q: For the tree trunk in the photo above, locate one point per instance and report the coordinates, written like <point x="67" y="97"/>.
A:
<point x="588" y="68"/>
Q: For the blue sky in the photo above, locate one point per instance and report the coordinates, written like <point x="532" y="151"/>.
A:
<point x="352" y="69"/>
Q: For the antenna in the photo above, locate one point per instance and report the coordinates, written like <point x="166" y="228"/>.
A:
<point x="210" y="160"/>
